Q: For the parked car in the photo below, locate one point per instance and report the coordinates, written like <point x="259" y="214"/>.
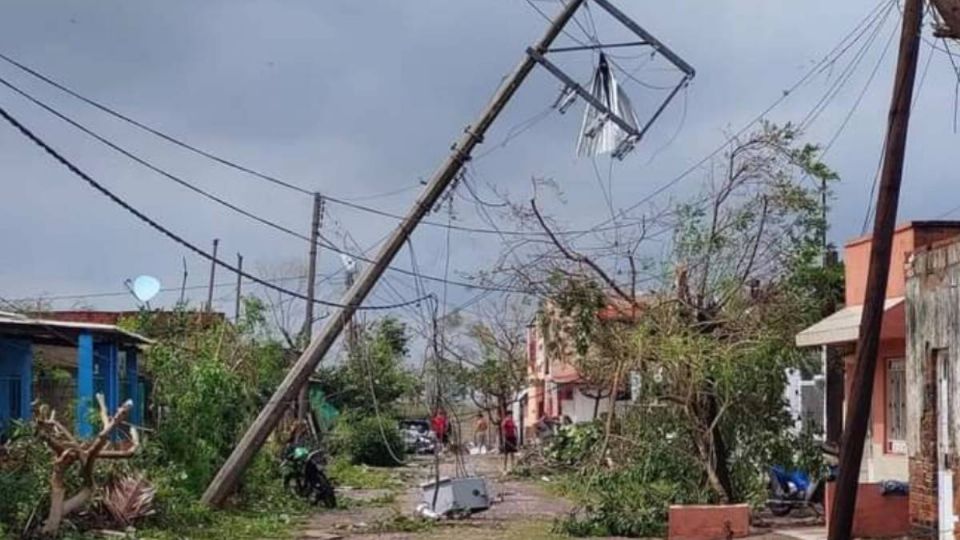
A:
<point x="417" y="437"/>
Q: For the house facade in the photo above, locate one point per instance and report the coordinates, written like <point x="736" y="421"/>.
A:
<point x="65" y="364"/>
<point x="556" y="388"/>
<point x="886" y="451"/>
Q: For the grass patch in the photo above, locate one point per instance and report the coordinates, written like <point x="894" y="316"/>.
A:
<point x="345" y="502"/>
<point x="228" y="524"/>
<point x="344" y="473"/>
<point x="400" y="523"/>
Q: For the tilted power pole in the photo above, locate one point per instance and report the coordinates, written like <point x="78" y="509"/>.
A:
<point x="226" y="479"/>
<point x="888" y="196"/>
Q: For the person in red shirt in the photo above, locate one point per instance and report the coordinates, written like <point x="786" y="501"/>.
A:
<point x="440" y="427"/>
<point x="508" y="441"/>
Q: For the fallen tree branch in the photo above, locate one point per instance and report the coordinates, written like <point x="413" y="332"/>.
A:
<point x="68" y="451"/>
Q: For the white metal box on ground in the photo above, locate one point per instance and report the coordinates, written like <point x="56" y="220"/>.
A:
<point x="455" y="495"/>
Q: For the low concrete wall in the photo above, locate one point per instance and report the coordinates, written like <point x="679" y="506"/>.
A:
<point x="877" y="515"/>
<point x="709" y="522"/>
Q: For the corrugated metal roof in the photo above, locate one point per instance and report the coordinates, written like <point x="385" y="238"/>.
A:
<point x="30" y="325"/>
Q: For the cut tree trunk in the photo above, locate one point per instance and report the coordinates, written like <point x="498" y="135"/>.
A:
<point x="68" y="451"/>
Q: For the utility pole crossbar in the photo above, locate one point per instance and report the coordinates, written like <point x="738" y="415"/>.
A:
<point x="582" y="92"/>
<point x="225" y="481"/>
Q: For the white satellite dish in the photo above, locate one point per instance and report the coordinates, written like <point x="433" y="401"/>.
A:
<point x="145" y="288"/>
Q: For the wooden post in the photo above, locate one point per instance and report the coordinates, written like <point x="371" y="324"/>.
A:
<point x="239" y="296"/>
<point x="213" y="274"/>
<point x="226" y="479"/>
<point x="858" y="411"/>
<point x="307" y="332"/>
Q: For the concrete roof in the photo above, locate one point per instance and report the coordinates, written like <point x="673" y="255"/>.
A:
<point x="844" y="325"/>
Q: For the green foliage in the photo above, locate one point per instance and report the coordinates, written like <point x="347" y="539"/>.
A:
<point x="377" y="364"/>
<point x="400" y="523"/>
<point x="25" y="466"/>
<point x="712" y="350"/>
<point x="578" y="301"/>
<point x="226" y="524"/>
<point x="573" y="444"/>
<point x="210" y="378"/>
<point x="653" y="469"/>
<point x="368" y="440"/>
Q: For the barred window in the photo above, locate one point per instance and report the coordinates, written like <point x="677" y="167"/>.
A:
<point x="896" y="406"/>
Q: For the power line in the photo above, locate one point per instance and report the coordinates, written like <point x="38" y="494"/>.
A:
<point x="105" y="294"/>
<point x="834" y="54"/>
<point x="166" y="174"/>
<point x="323" y="241"/>
<point x="848" y="71"/>
<point x="349" y="203"/>
<point x="160" y="228"/>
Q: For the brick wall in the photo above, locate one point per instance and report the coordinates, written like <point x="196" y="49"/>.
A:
<point x="923" y="464"/>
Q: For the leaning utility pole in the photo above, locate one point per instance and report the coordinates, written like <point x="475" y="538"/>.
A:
<point x="226" y="479"/>
<point x="213" y="273"/>
<point x="307" y="332"/>
<point x="858" y="411"/>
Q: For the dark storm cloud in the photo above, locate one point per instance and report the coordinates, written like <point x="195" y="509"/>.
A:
<point x="358" y="98"/>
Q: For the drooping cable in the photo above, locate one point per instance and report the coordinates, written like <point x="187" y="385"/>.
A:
<point x="160" y="228"/>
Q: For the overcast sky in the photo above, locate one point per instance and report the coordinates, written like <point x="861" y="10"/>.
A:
<point x="359" y="99"/>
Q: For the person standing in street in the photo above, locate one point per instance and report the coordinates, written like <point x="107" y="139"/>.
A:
<point x="480" y="433"/>
<point x="440" y="428"/>
<point x="509" y="442"/>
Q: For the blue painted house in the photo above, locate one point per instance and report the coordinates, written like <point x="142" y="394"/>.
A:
<point x="89" y="358"/>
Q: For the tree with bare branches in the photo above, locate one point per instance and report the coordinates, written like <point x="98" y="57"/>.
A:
<point x="740" y="279"/>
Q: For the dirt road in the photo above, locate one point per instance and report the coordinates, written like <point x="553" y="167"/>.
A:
<point x="523" y="509"/>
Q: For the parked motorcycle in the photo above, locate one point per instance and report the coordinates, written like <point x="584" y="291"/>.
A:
<point x="790" y="490"/>
<point x="304" y="474"/>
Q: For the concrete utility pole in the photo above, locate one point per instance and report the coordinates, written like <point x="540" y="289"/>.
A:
<point x="858" y="411"/>
<point x="236" y="307"/>
<point x="307" y="333"/>
<point x="226" y="479"/>
<point x="213" y="273"/>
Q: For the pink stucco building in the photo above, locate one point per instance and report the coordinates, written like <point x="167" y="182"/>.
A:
<point x="885" y="455"/>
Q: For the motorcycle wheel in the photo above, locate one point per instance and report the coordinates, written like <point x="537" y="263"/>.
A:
<point x="324" y="492"/>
